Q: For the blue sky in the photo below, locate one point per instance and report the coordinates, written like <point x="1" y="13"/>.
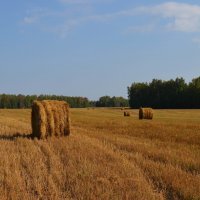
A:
<point x="96" y="47"/>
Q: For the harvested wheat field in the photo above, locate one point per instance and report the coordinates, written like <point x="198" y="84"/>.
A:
<point x="106" y="156"/>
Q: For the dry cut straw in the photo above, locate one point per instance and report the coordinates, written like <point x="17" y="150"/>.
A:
<point x="50" y="118"/>
<point x="127" y="114"/>
<point x="145" y="113"/>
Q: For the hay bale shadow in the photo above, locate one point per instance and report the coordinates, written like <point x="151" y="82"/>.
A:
<point x="15" y="136"/>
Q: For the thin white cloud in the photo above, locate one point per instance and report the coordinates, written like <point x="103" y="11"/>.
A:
<point x="75" y="1"/>
<point x="84" y="1"/>
<point x="196" y="40"/>
<point x="181" y="16"/>
<point x="175" y="16"/>
<point x="171" y="15"/>
<point x="30" y="20"/>
<point x="64" y="29"/>
<point x="35" y="15"/>
<point x="140" y="29"/>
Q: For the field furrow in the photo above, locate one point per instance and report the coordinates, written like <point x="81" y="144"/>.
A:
<point x="106" y="156"/>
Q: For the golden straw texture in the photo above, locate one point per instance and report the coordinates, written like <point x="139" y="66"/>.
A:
<point x="127" y="114"/>
<point x="145" y="113"/>
<point x="50" y="118"/>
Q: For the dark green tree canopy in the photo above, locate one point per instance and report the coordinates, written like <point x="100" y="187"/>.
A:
<point x="22" y="101"/>
<point x="107" y="101"/>
<point x="165" y="94"/>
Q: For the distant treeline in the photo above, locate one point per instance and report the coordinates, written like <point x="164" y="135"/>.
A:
<point x="107" y="101"/>
<point x="25" y="101"/>
<point x="165" y="94"/>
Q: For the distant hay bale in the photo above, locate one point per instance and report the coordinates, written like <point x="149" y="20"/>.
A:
<point x="50" y="118"/>
<point x="145" y="113"/>
<point x="127" y="114"/>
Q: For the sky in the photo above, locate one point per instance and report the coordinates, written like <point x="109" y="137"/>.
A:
<point x="93" y="48"/>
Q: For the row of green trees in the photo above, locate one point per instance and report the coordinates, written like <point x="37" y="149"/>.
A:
<point x="107" y="101"/>
<point x="22" y="101"/>
<point x="165" y="94"/>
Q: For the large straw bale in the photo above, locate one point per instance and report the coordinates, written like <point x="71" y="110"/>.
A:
<point x="50" y="118"/>
<point x="145" y="113"/>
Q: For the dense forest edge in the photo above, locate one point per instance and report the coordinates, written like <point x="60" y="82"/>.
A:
<point x="9" y="101"/>
<point x="165" y="94"/>
<point x="156" y="94"/>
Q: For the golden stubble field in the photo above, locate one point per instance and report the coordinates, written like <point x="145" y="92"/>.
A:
<point x="107" y="156"/>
